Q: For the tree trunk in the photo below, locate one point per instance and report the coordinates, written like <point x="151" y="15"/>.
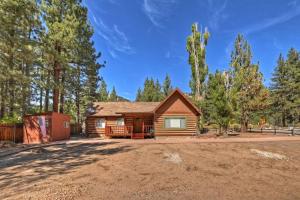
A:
<point x="62" y="94"/>
<point x="78" y="99"/>
<point x="26" y="91"/>
<point x="283" y="120"/>
<point x="2" y="102"/>
<point x="47" y="93"/>
<point x="197" y="92"/>
<point x="244" y="126"/>
<point x="56" y="80"/>
<point x="11" y="97"/>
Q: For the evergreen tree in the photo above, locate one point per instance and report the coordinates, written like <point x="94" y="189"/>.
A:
<point x="103" y="93"/>
<point x="19" y="24"/>
<point x="158" y="95"/>
<point x="293" y="87"/>
<point x="279" y="84"/>
<point x="248" y="93"/>
<point x="167" y="86"/>
<point x="286" y="88"/>
<point x="46" y="51"/>
<point x="217" y="104"/>
<point x="152" y="91"/>
<point x="196" y="47"/>
<point x="62" y="19"/>
<point x="139" y="95"/>
<point x="113" y="95"/>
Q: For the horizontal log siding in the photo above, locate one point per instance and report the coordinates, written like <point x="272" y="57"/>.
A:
<point x="178" y="107"/>
<point x="190" y="129"/>
<point x="91" y="124"/>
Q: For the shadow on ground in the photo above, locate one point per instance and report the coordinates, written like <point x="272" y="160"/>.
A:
<point x="19" y="170"/>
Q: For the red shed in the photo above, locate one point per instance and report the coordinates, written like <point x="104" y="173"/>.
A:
<point x="46" y="127"/>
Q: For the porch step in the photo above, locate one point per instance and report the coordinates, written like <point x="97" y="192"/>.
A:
<point x="138" y="136"/>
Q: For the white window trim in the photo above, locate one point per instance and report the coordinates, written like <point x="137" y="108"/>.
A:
<point x="120" y="119"/>
<point x="175" y="127"/>
<point x="102" y="123"/>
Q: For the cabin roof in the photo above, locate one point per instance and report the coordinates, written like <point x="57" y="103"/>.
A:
<point x="117" y="108"/>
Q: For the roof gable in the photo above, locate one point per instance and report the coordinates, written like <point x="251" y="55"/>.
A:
<point x="178" y="92"/>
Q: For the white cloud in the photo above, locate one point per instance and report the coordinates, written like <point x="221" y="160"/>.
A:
<point x="115" y="39"/>
<point x="112" y="53"/>
<point x="158" y="10"/>
<point x="217" y="13"/>
<point x="272" y="21"/>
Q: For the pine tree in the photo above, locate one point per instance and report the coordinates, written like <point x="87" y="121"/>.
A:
<point x="113" y="95"/>
<point x="247" y="91"/>
<point x="196" y="47"/>
<point x="139" y="95"/>
<point x="158" y="95"/>
<point x="167" y="86"/>
<point x="103" y="93"/>
<point x="286" y="88"/>
<point x="19" y="24"/>
<point x="62" y="21"/>
<point x="293" y="86"/>
<point x="217" y="104"/>
<point x="280" y="81"/>
<point x="46" y="51"/>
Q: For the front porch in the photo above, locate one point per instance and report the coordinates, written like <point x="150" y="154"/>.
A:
<point x="128" y="131"/>
<point x="136" y="126"/>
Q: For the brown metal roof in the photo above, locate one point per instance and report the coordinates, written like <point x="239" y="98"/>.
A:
<point x="116" y="108"/>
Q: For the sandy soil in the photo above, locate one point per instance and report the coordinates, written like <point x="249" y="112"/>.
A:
<point x="117" y="169"/>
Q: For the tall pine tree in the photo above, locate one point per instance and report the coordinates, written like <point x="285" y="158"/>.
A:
<point x="247" y="91"/>
<point x="167" y="86"/>
<point x="113" y="95"/>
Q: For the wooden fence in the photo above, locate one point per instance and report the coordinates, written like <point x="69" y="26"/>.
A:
<point x="11" y="132"/>
<point x="292" y="131"/>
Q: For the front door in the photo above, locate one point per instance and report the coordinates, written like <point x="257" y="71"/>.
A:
<point x="138" y="125"/>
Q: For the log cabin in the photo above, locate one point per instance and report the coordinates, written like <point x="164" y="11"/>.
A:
<point x="176" y="115"/>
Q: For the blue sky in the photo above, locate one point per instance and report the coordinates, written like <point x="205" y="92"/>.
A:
<point x="147" y="38"/>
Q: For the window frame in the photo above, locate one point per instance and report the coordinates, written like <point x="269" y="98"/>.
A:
<point x="175" y="117"/>
<point x="99" y="119"/>
<point x="118" y="120"/>
<point x="66" y="124"/>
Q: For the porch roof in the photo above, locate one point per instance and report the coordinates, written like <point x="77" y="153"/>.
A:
<point x="118" y="108"/>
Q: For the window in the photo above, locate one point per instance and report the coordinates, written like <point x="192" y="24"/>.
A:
<point x="47" y="123"/>
<point x="66" y="124"/>
<point x="40" y="121"/>
<point x="120" y="122"/>
<point x="100" y="123"/>
<point x="175" y="122"/>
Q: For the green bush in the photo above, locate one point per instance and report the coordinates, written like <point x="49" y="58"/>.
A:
<point x="11" y="120"/>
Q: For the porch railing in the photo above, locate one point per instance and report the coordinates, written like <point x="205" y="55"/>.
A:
<point x="118" y="130"/>
<point x="148" y="129"/>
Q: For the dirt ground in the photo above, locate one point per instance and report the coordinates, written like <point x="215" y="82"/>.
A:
<point x="125" y="169"/>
